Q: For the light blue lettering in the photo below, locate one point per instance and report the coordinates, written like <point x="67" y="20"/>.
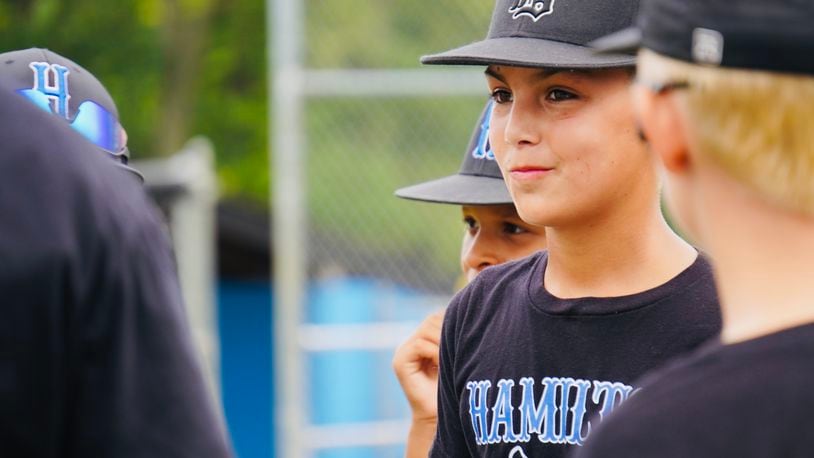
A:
<point x="59" y="91"/>
<point x="478" y="408"/>
<point x="539" y="419"/>
<point x="578" y="413"/>
<point x="612" y="391"/>
<point x="502" y="414"/>
<point x="483" y="149"/>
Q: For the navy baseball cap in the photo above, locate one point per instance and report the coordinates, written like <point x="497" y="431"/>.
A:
<point x="776" y="35"/>
<point x="62" y="87"/>
<point x="478" y="182"/>
<point x="547" y="33"/>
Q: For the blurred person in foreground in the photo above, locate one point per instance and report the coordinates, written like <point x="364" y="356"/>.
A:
<point x="494" y="234"/>
<point x="726" y="98"/>
<point x="96" y="358"/>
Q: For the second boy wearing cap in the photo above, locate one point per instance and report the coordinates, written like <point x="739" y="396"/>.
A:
<point x="494" y="231"/>
<point x="534" y="353"/>
<point x="63" y="88"/>
<point x="726" y="97"/>
<point x="494" y="234"/>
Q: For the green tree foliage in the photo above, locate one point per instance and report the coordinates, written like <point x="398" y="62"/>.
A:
<point x="119" y="45"/>
<point x="182" y="67"/>
<point x="176" y="68"/>
<point x="179" y="68"/>
<point x="387" y="34"/>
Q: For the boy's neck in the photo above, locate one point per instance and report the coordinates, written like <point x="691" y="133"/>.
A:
<point x="622" y="254"/>
<point x="764" y="269"/>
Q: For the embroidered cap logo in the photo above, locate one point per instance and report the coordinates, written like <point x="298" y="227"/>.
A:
<point x="483" y="150"/>
<point x="92" y="120"/>
<point x="56" y="92"/>
<point x="533" y="9"/>
<point x="707" y="46"/>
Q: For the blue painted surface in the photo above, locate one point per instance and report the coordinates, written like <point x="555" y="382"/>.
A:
<point x="357" y="452"/>
<point x="244" y="310"/>
<point x="344" y="386"/>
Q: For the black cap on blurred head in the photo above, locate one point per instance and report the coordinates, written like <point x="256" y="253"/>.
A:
<point x="546" y="33"/>
<point x="776" y="35"/>
<point x="479" y="181"/>
<point x="62" y="87"/>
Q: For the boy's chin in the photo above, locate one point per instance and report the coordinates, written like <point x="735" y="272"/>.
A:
<point x="534" y="211"/>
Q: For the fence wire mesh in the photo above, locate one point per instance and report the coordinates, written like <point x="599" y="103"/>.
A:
<point x="358" y="150"/>
<point x="388" y="34"/>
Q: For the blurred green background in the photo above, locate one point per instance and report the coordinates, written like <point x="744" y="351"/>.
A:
<point x="179" y="68"/>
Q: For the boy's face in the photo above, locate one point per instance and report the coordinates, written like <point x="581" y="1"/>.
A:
<point x="495" y="234"/>
<point x="567" y="143"/>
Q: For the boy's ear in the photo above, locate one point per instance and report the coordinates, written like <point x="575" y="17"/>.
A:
<point x="661" y="123"/>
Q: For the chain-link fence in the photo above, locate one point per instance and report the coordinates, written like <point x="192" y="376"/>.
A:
<point x="361" y="148"/>
<point x="372" y="121"/>
<point x="359" y="151"/>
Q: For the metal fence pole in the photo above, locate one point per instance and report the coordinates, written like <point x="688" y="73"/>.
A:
<point x="185" y="185"/>
<point x="284" y="44"/>
<point x="290" y="85"/>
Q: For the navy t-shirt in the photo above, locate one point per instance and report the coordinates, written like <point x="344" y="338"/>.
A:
<point x="751" y="399"/>
<point x="524" y="373"/>
<point x="96" y="358"/>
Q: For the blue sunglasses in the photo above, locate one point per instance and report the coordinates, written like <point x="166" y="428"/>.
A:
<point x="92" y="121"/>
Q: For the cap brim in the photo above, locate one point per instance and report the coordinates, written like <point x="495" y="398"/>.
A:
<point x="529" y="52"/>
<point x="626" y="41"/>
<point x="459" y="190"/>
<point x="135" y="172"/>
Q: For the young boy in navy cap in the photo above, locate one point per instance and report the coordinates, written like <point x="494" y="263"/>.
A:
<point x="494" y="234"/>
<point x="535" y="352"/>
<point x="726" y="98"/>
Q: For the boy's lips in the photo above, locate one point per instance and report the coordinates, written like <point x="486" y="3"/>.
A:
<point x="528" y="172"/>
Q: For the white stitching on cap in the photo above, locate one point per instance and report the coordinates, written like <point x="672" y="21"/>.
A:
<point x="707" y="46"/>
<point x="531" y="8"/>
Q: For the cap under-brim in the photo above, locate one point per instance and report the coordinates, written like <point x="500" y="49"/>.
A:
<point x="459" y="190"/>
<point x="625" y="41"/>
<point x="529" y="52"/>
<point x="135" y="172"/>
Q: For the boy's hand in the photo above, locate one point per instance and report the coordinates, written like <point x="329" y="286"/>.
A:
<point x="416" y="365"/>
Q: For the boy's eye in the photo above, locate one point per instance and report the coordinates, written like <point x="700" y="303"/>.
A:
<point x="470" y="223"/>
<point x="501" y="96"/>
<point x="513" y="229"/>
<point x="559" y="95"/>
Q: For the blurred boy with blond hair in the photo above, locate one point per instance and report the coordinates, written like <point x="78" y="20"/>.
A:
<point x="726" y="98"/>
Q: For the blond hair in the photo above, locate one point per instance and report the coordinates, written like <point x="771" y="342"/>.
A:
<point x="757" y="126"/>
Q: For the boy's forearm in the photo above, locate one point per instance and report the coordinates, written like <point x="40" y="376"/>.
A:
<point x="419" y="440"/>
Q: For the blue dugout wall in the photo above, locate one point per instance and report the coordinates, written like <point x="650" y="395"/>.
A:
<point x="345" y="386"/>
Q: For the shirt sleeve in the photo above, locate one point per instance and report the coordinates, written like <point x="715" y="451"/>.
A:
<point x="449" y="439"/>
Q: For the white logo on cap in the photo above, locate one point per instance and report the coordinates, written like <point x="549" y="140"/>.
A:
<point x="531" y="8"/>
<point x="707" y="46"/>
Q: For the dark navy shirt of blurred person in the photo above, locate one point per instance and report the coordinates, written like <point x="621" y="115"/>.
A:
<point x="96" y="357"/>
